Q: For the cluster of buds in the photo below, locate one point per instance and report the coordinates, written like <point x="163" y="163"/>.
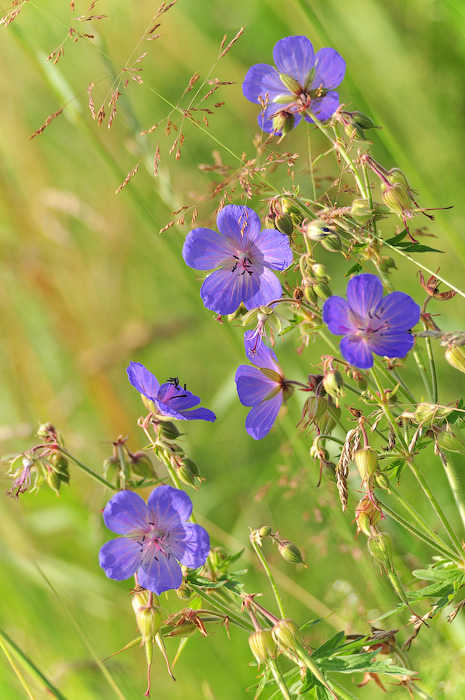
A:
<point x="355" y="124"/>
<point x="287" y="549"/>
<point x="281" y="216"/>
<point x="124" y="467"/>
<point x="43" y="463"/>
<point x="315" y="279"/>
<point x="319" y="410"/>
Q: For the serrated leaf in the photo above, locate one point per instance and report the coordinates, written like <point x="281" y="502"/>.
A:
<point x="417" y="248"/>
<point x="349" y="663"/>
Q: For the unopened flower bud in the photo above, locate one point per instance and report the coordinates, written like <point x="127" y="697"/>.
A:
<point x="185" y="473"/>
<point x="366" y="460"/>
<point x="329" y="470"/>
<point x="354" y="131"/>
<point x="265" y="531"/>
<point x="141" y="465"/>
<point x="381" y="480"/>
<point x="283" y="223"/>
<point x="396" y="176"/>
<point x="397" y="197"/>
<point x="334" y="383"/>
<point x="292" y="84"/>
<point x="270" y="220"/>
<point x="320" y="272"/>
<point x="364" y="120"/>
<point x="184" y="592"/>
<point x="455" y="356"/>
<point x="46" y="431"/>
<point x="322" y="290"/>
<point x="149" y="405"/>
<point x="314" y="408"/>
<point x="291" y="553"/>
<point x="317" y="452"/>
<point x="112" y="470"/>
<point x="386" y="264"/>
<point x="452" y="440"/>
<point x="61" y="464"/>
<point x="287" y="634"/>
<point x="54" y="481"/>
<point x="283" y="122"/>
<point x="367" y="516"/>
<point x="317" y="230"/>
<point x="361" y="211"/>
<point x="332" y="243"/>
<point x="168" y="430"/>
<point x="149" y="618"/>
<point x="262" y="645"/>
<point x="382" y="549"/>
<point x="309" y="293"/>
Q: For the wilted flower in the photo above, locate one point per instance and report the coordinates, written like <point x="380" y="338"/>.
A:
<point x="371" y="323"/>
<point x="302" y="81"/>
<point x="243" y="256"/>
<point x="156" y="537"/>
<point x="170" y="400"/>
<point x="263" y="386"/>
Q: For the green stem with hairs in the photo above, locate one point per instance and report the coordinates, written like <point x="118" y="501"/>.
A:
<point x="455" y="487"/>
<point x="434" y="374"/>
<point x="86" y="469"/>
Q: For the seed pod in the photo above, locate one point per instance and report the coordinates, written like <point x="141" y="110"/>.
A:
<point x="455" y="356"/>
<point x="317" y="230"/>
<point x="397" y="197"/>
<point x="366" y="460"/>
<point x="287" y="634"/>
<point x="396" y="176"/>
<point x="185" y="473"/>
<point x="355" y="132"/>
<point x="141" y="465"/>
<point x="367" y="516"/>
<point x="382" y="549"/>
<point x="263" y="646"/>
<point x="310" y="295"/>
<point x="270" y="220"/>
<point x="332" y="243"/>
<point x="112" y="470"/>
<point x="361" y="211"/>
<point x="183" y="592"/>
<point x="364" y="120"/>
<point x="381" y="480"/>
<point x="329" y="470"/>
<point x="283" y="121"/>
<point x="320" y="272"/>
<point x="148" y="619"/>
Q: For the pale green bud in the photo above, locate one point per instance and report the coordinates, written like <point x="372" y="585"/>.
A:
<point x="455" y="356"/>
<point x="263" y="646"/>
<point x="287" y="634"/>
<point x="382" y="549"/>
<point x="334" y="383"/>
<point x="322" y="290"/>
<point x="452" y="440"/>
<point x="332" y="243"/>
<point x="317" y="230"/>
<point x="291" y="553"/>
<point x="284" y="224"/>
<point x="366" y="460"/>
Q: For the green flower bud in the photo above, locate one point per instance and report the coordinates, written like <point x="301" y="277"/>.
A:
<point x="396" y="176"/>
<point x="287" y="634"/>
<point x="288" y="390"/>
<point x="46" y="431"/>
<point x="452" y="440"/>
<point x="381" y="481"/>
<point x="270" y="220"/>
<point x="320" y="272"/>
<point x="366" y="460"/>
<point x="186" y="475"/>
<point x="329" y="470"/>
<point x="284" y="224"/>
<point x="149" y="619"/>
<point x="326" y="423"/>
<point x="168" y="430"/>
<point x="317" y="230"/>
<point x="332" y="243"/>
<point x="334" y="383"/>
<point x="284" y="122"/>
<point x="322" y="290"/>
<point x="54" y="481"/>
<point x="314" y="408"/>
<point x="265" y="531"/>
<point x="361" y="211"/>
<point x="59" y="461"/>
<point x="183" y="592"/>
<point x="263" y="646"/>
<point x="141" y="465"/>
<point x="112" y="470"/>
<point x="397" y="197"/>
<point x="382" y="549"/>
<point x="291" y="553"/>
<point x="309" y="294"/>
<point x="355" y="132"/>
<point x="367" y="516"/>
<point x="364" y="120"/>
<point x="455" y="356"/>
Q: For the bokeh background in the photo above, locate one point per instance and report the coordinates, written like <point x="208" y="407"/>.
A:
<point x="88" y="283"/>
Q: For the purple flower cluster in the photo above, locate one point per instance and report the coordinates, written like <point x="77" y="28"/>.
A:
<point x="156" y="536"/>
<point x="170" y="400"/>
<point x="242" y="257"/>
<point x="301" y="82"/>
<point x="371" y="323"/>
<point x="262" y="386"/>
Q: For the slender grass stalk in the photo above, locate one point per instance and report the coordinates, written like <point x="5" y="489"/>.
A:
<point x="423" y="371"/>
<point x="434" y="374"/>
<point x="16" y="669"/>
<point x="87" y="469"/>
<point x="455" y="486"/>
<point x="270" y="576"/>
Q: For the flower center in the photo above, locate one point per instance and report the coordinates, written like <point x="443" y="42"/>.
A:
<point x="243" y="263"/>
<point x="154" y="542"/>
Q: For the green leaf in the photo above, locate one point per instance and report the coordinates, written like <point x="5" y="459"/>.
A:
<point x="442" y="575"/>
<point x="396" y="239"/>
<point x="330" y="646"/>
<point x="417" y="248"/>
<point x="354" y="270"/>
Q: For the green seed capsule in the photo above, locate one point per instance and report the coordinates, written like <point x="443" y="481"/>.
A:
<point x="366" y="460"/>
<point x="262" y="645"/>
<point x="332" y="243"/>
<point x="455" y="356"/>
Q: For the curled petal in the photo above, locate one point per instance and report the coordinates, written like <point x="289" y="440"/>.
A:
<point x="177" y="397"/>
<point x="120" y="558"/>
<point x="330" y="69"/>
<point x="205" y="249"/>
<point x="364" y="292"/>
<point x="168" y="507"/>
<point x="262" y="80"/>
<point x="294" y="56"/>
<point x="126" y="514"/>
<point x="252" y="385"/>
<point x="356" y="351"/>
<point x="391" y="344"/>
<point x="143" y="380"/>
<point x="261" y="418"/>
<point x="336" y="314"/>
<point x="159" y="572"/>
<point x="399" y="311"/>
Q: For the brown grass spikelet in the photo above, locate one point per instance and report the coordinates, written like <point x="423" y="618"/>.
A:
<point x="128" y="177"/>
<point x="46" y="123"/>
<point x="101" y="115"/>
<point x="90" y="88"/>
<point x="351" y="445"/>
<point x="56" y="54"/>
<point x="71" y="6"/>
<point x="112" y="103"/>
<point x="194" y="215"/>
<point x="11" y="16"/>
<point x="169" y="225"/>
<point x="156" y="161"/>
<point x="155" y="26"/>
<point x="223" y="52"/>
<point x="149" y="131"/>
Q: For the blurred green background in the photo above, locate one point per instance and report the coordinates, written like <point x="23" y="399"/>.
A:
<point x="87" y="284"/>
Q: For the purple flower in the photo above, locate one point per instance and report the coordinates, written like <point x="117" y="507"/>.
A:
<point x="301" y="81"/>
<point x="243" y="256"/>
<point x="371" y="323"/>
<point x="263" y="386"/>
<point x="170" y="400"/>
<point x="156" y="538"/>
